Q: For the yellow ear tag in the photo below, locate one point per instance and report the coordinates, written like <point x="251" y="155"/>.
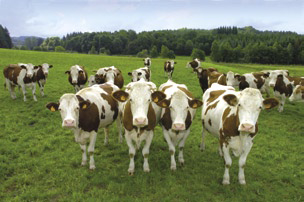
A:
<point x="194" y="105"/>
<point x="156" y="99"/>
<point x="53" y="109"/>
<point x="164" y="104"/>
<point x="123" y="98"/>
<point x="84" y="106"/>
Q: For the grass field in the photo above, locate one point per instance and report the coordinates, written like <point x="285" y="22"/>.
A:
<point x="41" y="162"/>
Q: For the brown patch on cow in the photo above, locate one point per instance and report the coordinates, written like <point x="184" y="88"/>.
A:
<point x="165" y="88"/>
<point x="296" y="80"/>
<point x="281" y="87"/>
<point x="259" y="80"/>
<point x="214" y="95"/>
<point x="210" y="123"/>
<point x="188" y="93"/>
<point x="211" y="107"/>
<point x="147" y="71"/>
<point x="243" y="83"/>
<point x="89" y="118"/>
<point x="222" y="80"/>
<point x="118" y="80"/>
<point x="107" y="87"/>
<point x="231" y="99"/>
<point x="166" y="120"/>
<point x="188" y="120"/>
<point x="112" y="102"/>
<point x="202" y="75"/>
<point x="230" y="126"/>
<point x="12" y="72"/>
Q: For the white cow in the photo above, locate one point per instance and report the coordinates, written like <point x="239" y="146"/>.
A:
<point x="232" y="117"/>
<point x="139" y="116"/>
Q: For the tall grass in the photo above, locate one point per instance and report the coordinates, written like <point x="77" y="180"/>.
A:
<point x="41" y="162"/>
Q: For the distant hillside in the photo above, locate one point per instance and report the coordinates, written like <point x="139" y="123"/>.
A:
<point x="20" y="41"/>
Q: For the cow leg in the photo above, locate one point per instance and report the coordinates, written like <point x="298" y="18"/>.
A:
<point x="202" y="145"/>
<point x="41" y="86"/>
<point x="282" y="102"/>
<point x="106" y="133"/>
<point x="131" y="153"/>
<point x="24" y="92"/>
<point x="171" y="149"/>
<point x="146" y="150"/>
<point x="228" y="162"/>
<point x="181" y="148"/>
<point x="34" y="91"/>
<point x="242" y="159"/>
<point x="11" y="89"/>
<point x="84" y="154"/>
<point x="91" y="149"/>
<point x="119" y="128"/>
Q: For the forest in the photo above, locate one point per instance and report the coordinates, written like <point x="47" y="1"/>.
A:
<point x="224" y="44"/>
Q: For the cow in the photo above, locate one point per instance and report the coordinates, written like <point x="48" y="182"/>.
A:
<point x="77" y="77"/>
<point x="107" y="74"/>
<point x="258" y="80"/>
<point x="85" y="112"/>
<point x="41" y="76"/>
<point x="169" y="68"/>
<point x="232" y="117"/>
<point x="207" y="76"/>
<point x="91" y="80"/>
<point x="140" y="73"/>
<point x="177" y="115"/>
<point x="232" y="79"/>
<point x="298" y="93"/>
<point x="147" y="62"/>
<point x="194" y="64"/>
<point x="139" y="117"/>
<point x="21" y="75"/>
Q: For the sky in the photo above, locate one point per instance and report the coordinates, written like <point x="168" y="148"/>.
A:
<point x="48" y="18"/>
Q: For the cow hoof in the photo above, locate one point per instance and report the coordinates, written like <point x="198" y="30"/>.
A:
<point x="242" y="182"/>
<point x="83" y="163"/>
<point x="225" y="182"/>
<point x="92" y="167"/>
<point x="182" y="163"/>
<point x="131" y="173"/>
<point x="173" y="168"/>
<point x="147" y="170"/>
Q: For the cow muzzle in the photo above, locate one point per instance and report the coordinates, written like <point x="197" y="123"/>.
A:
<point x="74" y="81"/>
<point x="247" y="127"/>
<point x="271" y="84"/>
<point x="69" y="123"/>
<point x="178" y="126"/>
<point x="140" y="121"/>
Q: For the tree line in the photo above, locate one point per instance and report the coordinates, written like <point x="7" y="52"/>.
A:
<point x="5" y="39"/>
<point x="224" y="44"/>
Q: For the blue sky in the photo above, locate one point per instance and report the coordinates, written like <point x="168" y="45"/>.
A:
<point x="47" y="18"/>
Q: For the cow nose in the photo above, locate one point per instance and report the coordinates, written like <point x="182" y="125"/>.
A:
<point x="246" y="127"/>
<point x="74" y="81"/>
<point x="68" y="123"/>
<point x="140" y="121"/>
<point x="178" y="126"/>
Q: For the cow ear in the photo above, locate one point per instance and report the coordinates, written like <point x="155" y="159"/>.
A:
<point x="270" y="103"/>
<point x="52" y="106"/>
<point x="231" y="99"/>
<point x="175" y="62"/>
<point x="164" y="103"/>
<point x="139" y="74"/>
<point x="195" y="103"/>
<point x="67" y="72"/>
<point x="84" y="104"/>
<point x="23" y="67"/>
<point x="130" y="73"/>
<point x="80" y="72"/>
<point x="158" y="96"/>
<point x="36" y="67"/>
<point x="50" y="66"/>
<point x="120" y="95"/>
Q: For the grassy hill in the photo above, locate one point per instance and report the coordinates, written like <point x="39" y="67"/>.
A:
<point x="41" y="162"/>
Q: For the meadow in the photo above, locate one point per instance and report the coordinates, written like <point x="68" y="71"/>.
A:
<point x="39" y="160"/>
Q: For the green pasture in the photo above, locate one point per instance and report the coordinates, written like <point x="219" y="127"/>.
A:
<point x="39" y="160"/>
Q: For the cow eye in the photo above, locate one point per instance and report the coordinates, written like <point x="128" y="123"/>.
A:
<point x="260" y="107"/>
<point x="77" y="108"/>
<point x="239" y="105"/>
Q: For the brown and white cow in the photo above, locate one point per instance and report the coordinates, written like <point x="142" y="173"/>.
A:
<point x="140" y="73"/>
<point x="139" y="116"/>
<point x="109" y="74"/>
<point x="169" y="68"/>
<point x="177" y="115"/>
<point x="298" y="93"/>
<point x="147" y="62"/>
<point x="85" y="112"/>
<point x="258" y="80"/>
<point x="233" y="79"/>
<point x="41" y="76"/>
<point x="232" y="117"/>
<point x="91" y="80"/>
<point x="194" y="64"/>
<point x="77" y="77"/>
<point x="21" y="75"/>
<point x="207" y="76"/>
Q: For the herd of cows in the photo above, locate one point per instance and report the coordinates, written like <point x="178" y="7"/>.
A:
<point x="228" y="114"/>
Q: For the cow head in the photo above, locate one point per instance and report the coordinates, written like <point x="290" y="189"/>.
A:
<point x="249" y="104"/>
<point x="45" y="69"/>
<point x="69" y="106"/>
<point x="178" y="107"/>
<point x="232" y="79"/>
<point x="107" y="74"/>
<point x="139" y="96"/>
<point x="91" y="80"/>
<point x="147" y="62"/>
<point x="136" y="75"/>
<point x="29" y="68"/>
<point x="297" y="94"/>
<point x="75" y="72"/>
<point x="274" y="75"/>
